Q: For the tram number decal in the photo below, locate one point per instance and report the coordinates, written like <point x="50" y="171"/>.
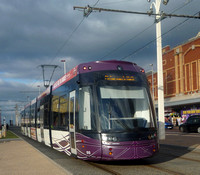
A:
<point x="88" y="152"/>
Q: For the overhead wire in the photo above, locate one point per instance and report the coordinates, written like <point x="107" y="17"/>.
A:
<point x="140" y="33"/>
<point x="63" y="45"/>
<point x="156" y="38"/>
<point x="79" y="24"/>
<point x="70" y="36"/>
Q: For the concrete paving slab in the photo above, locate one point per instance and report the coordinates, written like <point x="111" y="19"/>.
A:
<point x="17" y="157"/>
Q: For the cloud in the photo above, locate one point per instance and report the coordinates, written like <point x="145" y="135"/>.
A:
<point x="39" y="32"/>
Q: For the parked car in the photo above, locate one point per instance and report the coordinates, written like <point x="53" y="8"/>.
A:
<point x="169" y="125"/>
<point x="192" y="124"/>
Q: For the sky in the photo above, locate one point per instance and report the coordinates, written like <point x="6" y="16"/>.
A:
<point x="36" y="32"/>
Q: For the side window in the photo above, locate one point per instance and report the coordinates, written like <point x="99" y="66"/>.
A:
<point x="41" y="116"/>
<point x="196" y="120"/>
<point x="71" y="110"/>
<point x="38" y="115"/>
<point x="46" y="113"/>
<point x="60" y="112"/>
<point x="85" y="108"/>
<point x="55" y="110"/>
<point x="64" y="112"/>
<point x="33" y="115"/>
<point x="190" y="121"/>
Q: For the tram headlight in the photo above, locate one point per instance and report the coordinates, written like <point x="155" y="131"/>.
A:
<point x="152" y="136"/>
<point x="109" y="138"/>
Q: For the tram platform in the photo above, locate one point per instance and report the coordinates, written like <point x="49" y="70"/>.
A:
<point x="17" y="157"/>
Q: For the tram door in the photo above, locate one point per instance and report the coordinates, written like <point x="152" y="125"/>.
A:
<point x="72" y="111"/>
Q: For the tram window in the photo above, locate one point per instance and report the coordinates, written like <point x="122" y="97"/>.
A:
<point x="46" y="113"/>
<point x="71" y="108"/>
<point x="60" y="112"/>
<point x="86" y="122"/>
<point x="63" y="112"/>
<point x="41" y="113"/>
<point x="32" y="116"/>
<point x="38" y="117"/>
<point x="55" y="110"/>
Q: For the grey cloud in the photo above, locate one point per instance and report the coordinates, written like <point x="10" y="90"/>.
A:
<point x="41" y="32"/>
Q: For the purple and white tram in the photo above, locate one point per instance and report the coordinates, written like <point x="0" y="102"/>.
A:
<point x="99" y="111"/>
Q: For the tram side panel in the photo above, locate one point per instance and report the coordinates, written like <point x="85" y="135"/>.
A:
<point x="61" y="142"/>
<point x="60" y="120"/>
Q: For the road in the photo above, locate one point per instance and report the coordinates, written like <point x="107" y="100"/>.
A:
<point x="178" y="155"/>
<point x="175" y="137"/>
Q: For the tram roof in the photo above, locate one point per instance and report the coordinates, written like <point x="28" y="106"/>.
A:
<point x="92" y="67"/>
<point x="97" y="66"/>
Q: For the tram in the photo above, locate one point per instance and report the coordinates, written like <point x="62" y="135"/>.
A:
<point x="98" y="111"/>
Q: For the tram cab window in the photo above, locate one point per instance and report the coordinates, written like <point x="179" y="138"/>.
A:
<point x="124" y="108"/>
<point x="86" y="121"/>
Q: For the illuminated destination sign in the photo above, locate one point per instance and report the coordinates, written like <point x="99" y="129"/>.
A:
<point x="119" y="78"/>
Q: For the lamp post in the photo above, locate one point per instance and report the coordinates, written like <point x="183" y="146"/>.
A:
<point x="38" y="89"/>
<point x="152" y="81"/>
<point x="64" y="64"/>
<point x="161" y="117"/>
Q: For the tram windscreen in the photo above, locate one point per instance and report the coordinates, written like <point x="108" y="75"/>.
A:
<point x="125" y="108"/>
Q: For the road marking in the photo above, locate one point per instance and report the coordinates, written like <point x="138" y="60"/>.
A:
<point x="181" y="134"/>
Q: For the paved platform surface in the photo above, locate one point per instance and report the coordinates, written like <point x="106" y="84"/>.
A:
<point x="17" y="157"/>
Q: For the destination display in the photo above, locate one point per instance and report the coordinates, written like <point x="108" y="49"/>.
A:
<point x="119" y="78"/>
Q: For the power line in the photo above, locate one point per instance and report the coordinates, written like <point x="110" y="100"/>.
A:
<point x="96" y="3"/>
<point x="134" y="37"/>
<point x="156" y="38"/>
<point x="67" y="40"/>
<point x="138" y="34"/>
<point x="64" y="44"/>
<point x="70" y="36"/>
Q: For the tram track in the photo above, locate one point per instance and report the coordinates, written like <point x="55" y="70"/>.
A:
<point x="164" y="170"/>
<point x="104" y="168"/>
<point x="113" y="172"/>
<point x="148" y="165"/>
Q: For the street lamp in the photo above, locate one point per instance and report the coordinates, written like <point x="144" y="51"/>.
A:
<point x="38" y="89"/>
<point x="152" y="81"/>
<point x="161" y="117"/>
<point x="64" y="64"/>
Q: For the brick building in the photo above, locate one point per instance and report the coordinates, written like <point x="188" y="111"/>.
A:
<point x="181" y="76"/>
